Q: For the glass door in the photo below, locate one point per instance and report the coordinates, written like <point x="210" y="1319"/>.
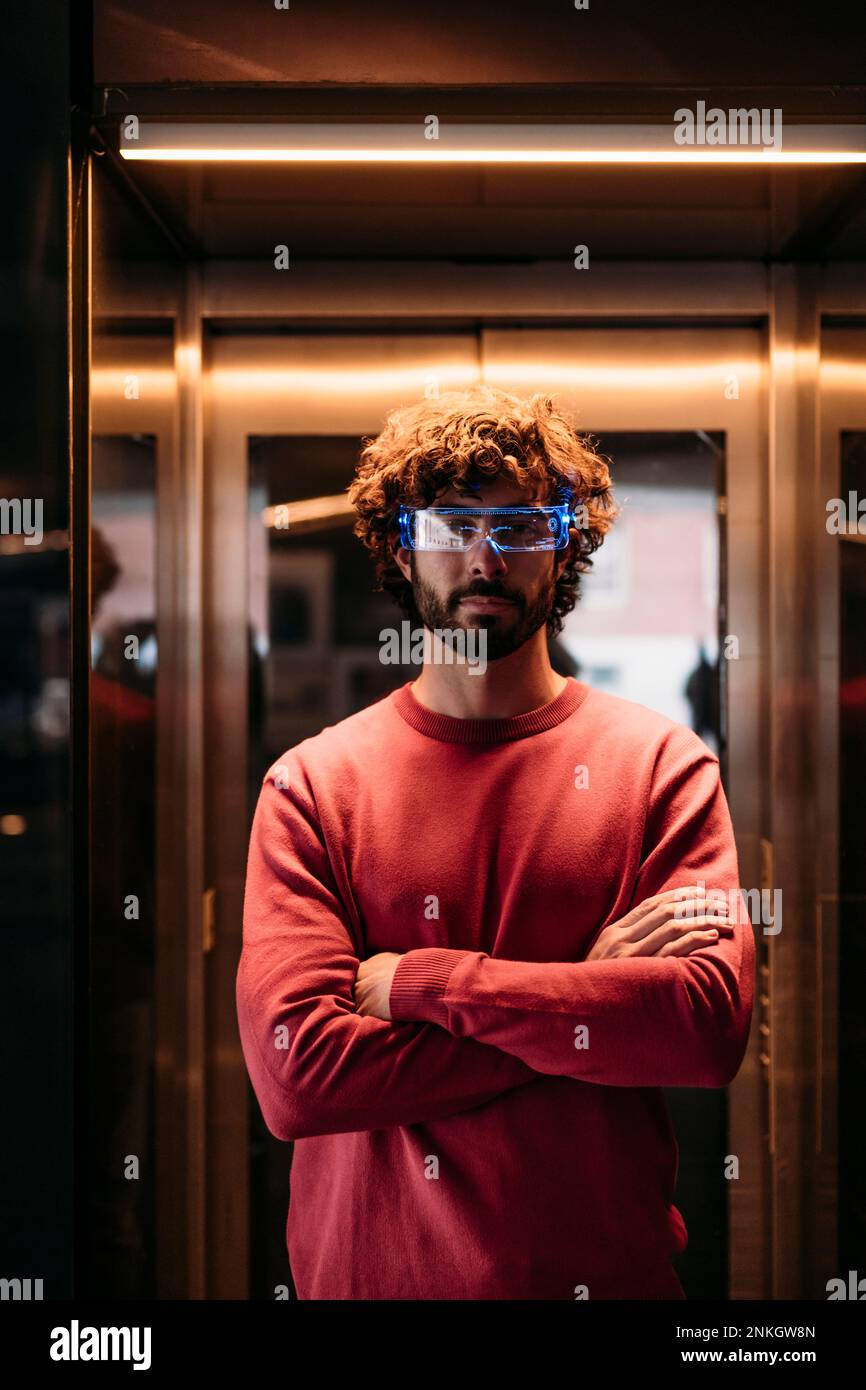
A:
<point x="670" y="617"/>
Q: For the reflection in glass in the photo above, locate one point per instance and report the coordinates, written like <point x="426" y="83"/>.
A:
<point x="646" y="624"/>
<point x="122" y="730"/>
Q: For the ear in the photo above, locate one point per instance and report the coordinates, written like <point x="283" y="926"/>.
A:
<point x="401" y="556"/>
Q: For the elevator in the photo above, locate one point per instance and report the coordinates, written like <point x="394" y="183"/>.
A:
<point x="731" y="407"/>
<point x="248" y="326"/>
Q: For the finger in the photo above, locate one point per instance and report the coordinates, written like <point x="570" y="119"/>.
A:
<point x="659" y="900"/>
<point x="676" y="913"/>
<point x="700" y="907"/>
<point x="692" y="941"/>
<point x="675" y="930"/>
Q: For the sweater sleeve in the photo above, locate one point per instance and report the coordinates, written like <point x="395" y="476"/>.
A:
<point x="629" y="1021"/>
<point x="316" y="1065"/>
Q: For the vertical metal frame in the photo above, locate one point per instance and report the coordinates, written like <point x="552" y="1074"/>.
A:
<point x="80" y="275"/>
<point x="180" y="888"/>
<point x="225" y="720"/>
<point x="842" y="398"/>
<point x="793" y="514"/>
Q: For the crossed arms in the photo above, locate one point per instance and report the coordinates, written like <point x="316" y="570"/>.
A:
<point x="467" y="1027"/>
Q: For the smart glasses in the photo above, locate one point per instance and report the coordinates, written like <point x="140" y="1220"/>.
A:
<point x="507" y="528"/>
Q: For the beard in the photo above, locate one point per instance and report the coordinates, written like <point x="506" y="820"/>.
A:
<point x="506" y="631"/>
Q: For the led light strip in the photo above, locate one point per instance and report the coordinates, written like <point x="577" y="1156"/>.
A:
<point x="301" y="143"/>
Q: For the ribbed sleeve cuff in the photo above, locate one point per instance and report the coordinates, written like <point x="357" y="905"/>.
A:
<point x="419" y="984"/>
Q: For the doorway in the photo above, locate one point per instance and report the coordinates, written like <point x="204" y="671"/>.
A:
<point x="295" y="646"/>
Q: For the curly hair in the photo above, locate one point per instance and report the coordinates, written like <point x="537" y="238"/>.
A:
<point x="464" y="438"/>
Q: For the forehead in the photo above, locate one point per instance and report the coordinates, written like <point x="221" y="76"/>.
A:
<point x="496" y="492"/>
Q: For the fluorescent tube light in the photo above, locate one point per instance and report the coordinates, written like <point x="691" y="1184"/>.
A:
<point x="342" y="143"/>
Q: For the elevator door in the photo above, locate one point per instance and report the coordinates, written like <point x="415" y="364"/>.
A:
<point x="292" y="644"/>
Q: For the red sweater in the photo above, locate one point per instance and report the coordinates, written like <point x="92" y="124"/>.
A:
<point x="481" y="1145"/>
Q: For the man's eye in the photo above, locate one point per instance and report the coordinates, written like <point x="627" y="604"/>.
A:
<point x="520" y="529"/>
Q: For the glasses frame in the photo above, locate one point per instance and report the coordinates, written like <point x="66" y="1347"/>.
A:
<point x="561" y="513"/>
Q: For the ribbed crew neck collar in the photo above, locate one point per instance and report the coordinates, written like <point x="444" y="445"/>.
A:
<point x="451" y="729"/>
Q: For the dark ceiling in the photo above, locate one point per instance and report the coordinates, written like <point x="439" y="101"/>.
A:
<point x="479" y="60"/>
<point x="481" y="43"/>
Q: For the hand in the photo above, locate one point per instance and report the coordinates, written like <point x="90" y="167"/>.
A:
<point x="651" y="929"/>
<point x="373" y="984"/>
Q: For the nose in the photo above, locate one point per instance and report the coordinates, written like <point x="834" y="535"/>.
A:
<point x="487" y="558"/>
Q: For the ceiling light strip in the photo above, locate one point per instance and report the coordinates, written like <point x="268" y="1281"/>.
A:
<point x="437" y="143"/>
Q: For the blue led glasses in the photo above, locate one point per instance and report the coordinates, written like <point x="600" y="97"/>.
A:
<point x="508" y="528"/>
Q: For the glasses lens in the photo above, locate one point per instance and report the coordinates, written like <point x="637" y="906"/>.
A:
<point x="437" y="532"/>
<point x="535" y="530"/>
<point x="526" y="533"/>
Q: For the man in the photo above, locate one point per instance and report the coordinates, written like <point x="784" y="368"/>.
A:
<point x="488" y="917"/>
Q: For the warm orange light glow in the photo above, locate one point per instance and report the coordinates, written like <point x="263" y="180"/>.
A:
<point x="755" y="139"/>
<point x="845" y="375"/>
<point x="17" y="545"/>
<point x="715" y="155"/>
<point x="274" y="382"/>
<point x="311" y="509"/>
<point x="188" y="357"/>
<point x="133" y="383"/>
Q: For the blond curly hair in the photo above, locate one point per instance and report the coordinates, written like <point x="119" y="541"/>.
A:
<point x="467" y="437"/>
